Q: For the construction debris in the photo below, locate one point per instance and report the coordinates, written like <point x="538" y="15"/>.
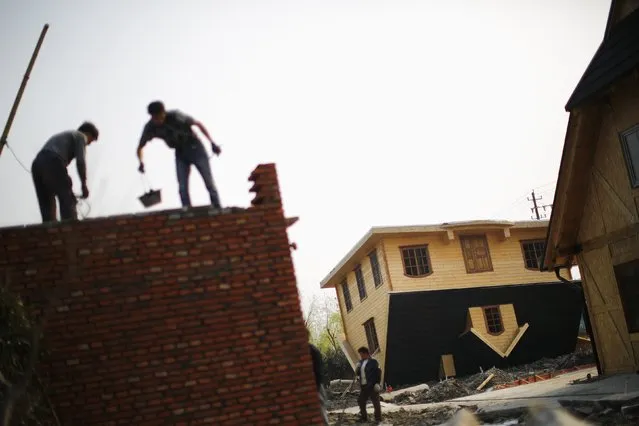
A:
<point x="469" y="416"/>
<point x="390" y="396"/>
<point x="341" y="393"/>
<point x="443" y="391"/>
<point x="435" y="416"/>
<point x="494" y="377"/>
<point x="485" y="382"/>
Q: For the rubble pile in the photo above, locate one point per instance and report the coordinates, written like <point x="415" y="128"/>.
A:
<point x="617" y="412"/>
<point x="470" y="416"/>
<point x="499" y="377"/>
<point x="546" y="365"/>
<point x="341" y="394"/>
<point x="433" y="416"/>
<point x="443" y="391"/>
<point x="457" y="388"/>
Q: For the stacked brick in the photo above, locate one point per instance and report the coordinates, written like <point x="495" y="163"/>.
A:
<point x="176" y="317"/>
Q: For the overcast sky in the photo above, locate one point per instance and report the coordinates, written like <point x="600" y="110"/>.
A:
<point x="376" y="112"/>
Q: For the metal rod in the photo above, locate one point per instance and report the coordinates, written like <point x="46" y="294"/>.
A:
<point x="12" y="114"/>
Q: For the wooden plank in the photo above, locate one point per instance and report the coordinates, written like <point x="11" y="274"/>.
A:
<point x="448" y="365"/>
<point x="485" y="382"/>
<point x="516" y="340"/>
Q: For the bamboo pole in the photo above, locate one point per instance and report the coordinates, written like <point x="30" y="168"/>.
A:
<point x="16" y="102"/>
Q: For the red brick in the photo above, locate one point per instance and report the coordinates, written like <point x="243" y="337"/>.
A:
<point x="170" y="317"/>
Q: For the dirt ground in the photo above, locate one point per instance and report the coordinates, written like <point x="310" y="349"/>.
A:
<point x="455" y="388"/>
<point x="440" y="415"/>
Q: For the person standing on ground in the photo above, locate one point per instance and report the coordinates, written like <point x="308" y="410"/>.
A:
<point x="49" y="171"/>
<point x="316" y="356"/>
<point x="176" y="129"/>
<point x="369" y="376"/>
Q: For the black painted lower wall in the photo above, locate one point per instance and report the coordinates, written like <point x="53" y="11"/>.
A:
<point x="424" y="325"/>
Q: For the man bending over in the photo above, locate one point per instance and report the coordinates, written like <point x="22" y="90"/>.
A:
<point x="49" y="171"/>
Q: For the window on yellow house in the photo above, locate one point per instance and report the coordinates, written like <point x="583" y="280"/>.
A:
<point x="377" y="273"/>
<point x="361" y="284"/>
<point x="416" y="261"/>
<point x="533" y="251"/>
<point x="371" y="335"/>
<point x="494" y="323"/>
<point x="347" y="296"/>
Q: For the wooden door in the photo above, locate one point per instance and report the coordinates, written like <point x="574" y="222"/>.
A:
<point x="476" y="253"/>
<point x="606" y="312"/>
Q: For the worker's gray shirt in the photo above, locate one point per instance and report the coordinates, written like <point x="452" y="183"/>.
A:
<point x="176" y="131"/>
<point x="69" y="145"/>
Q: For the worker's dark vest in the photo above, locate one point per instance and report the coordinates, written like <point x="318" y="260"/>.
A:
<point x="176" y="133"/>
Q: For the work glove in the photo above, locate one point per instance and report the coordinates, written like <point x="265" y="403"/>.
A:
<point x="216" y="149"/>
<point x="377" y="388"/>
<point x="85" y="191"/>
<point x="141" y="168"/>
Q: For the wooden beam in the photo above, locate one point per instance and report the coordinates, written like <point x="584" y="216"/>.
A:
<point x="449" y="236"/>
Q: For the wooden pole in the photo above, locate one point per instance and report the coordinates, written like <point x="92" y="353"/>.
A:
<point x="7" y="127"/>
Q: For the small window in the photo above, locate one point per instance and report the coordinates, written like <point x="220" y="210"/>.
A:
<point x="347" y="296"/>
<point x="361" y="285"/>
<point x="627" y="275"/>
<point x="494" y="323"/>
<point x="630" y="147"/>
<point x="533" y="252"/>
<point x="377" y="273"/>
<point x="416" y="261"/>
<point x="476" y="254"/>
<point x="371" y="335"/>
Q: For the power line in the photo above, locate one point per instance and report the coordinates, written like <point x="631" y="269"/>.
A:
<point x="16" y="157"/>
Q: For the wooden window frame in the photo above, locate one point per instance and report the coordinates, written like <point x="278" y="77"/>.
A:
<point x="628" y="308"/>
<point x="371" y="348"/>
<point x="376" y="269"/>
<point x="632" y="171"/>
<point x="490" y="258"/>
<point x="501" y="319"/>
<point x="346" y="292"/>
<point x="361" y="283"/>
<point x="523" y="252"/>
<point x="428" y="262"/>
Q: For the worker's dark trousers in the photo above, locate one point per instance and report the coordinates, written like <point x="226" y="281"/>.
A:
<point x="51" y="180"/>
<point x="368" y="392"/>
<point x="194" y="155"/>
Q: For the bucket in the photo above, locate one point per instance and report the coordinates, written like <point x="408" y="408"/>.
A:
<point x="151" y="198"/>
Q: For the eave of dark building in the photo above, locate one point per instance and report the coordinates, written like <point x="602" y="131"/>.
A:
<point x="617" y="56"/>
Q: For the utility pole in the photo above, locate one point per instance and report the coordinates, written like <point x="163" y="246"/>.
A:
<point x="16" y="102"/>
<point x="536" y="207"/>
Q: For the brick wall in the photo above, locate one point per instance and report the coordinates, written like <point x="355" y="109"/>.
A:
<point x="174" y="317"/>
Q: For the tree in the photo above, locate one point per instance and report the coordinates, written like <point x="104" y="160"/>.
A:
<point x="324" y="322"/>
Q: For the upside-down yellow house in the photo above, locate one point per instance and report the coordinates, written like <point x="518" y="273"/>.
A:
<point x="443" y="300"/>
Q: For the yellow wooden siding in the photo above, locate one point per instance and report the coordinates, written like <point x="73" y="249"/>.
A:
<point x="610" y="205"/>
<point x="375" y="305"/>
<point x="509" y="321"/>
<point x="449" y="270"/>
